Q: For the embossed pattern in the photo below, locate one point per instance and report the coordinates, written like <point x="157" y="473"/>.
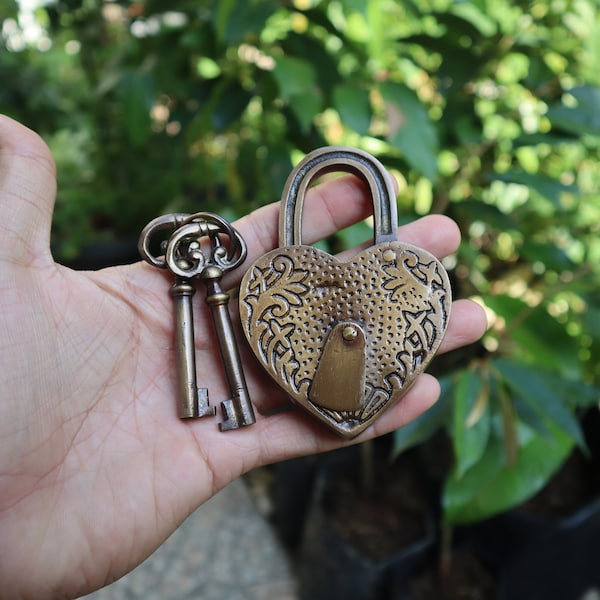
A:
<point x="292" y="297"/>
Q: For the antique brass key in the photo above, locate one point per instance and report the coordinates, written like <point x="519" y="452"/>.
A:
<point x="202" y="246"/>
<point x="192" y="400"/>
<point x="186" y="257"/>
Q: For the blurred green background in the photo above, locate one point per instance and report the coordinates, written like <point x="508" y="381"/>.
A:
<point x="485" y="110"/>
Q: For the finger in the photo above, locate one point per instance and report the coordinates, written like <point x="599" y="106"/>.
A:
<point x="27" y="192"/>
<point x="335" y="205"/>
<point x="467" y="324"/>
<point x="329" y="207"/>
<point x="294" y="433"/>
<point x="437" y="234"/>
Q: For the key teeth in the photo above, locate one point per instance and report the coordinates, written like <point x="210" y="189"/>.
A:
<point x="231" y="418"/>
<point x="203" y="407"/>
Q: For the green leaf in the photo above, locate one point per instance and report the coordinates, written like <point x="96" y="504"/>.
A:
<point x="296" y="79"/>
<point x="591" y="321"/>
<point x="353" y="106"/>
<point x="137" y="95"/>
<point x="530" y="385"/>
<point x="8" y="9"/>
<point x="230" y="101"/>
<point x="411" y="129"/>
<point x="293" y="76"/>
<point x="313" y="51"/>
<point x="471" y="420"/>
<point x="276" y="168"/>
<point x="235" y="20"/>
<point x="477" y="210"/>
<point x="306" y="107"/>
<point x="424" y="426"/>
<point x="551" y="256"/>
<point x="583" y="119"/>
<point x="359" y="6"/>
<point x="492" y="486"/>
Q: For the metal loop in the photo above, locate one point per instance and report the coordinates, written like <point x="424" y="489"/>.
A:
<point x="187" y="257"/>
<point x="162" y="223"/>
<point x="338" y="159"/>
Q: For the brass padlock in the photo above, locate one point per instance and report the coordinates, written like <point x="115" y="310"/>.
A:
<point x="345" y="340"/>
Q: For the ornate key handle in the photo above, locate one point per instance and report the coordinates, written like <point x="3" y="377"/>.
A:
<point x="335" y="159"/>
<point x="152" y="230"/>
<point x="186" y="254"/>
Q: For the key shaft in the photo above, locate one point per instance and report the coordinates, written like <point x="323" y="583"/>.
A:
<point x="238" y="410"/>
<point x="192" y="401"/>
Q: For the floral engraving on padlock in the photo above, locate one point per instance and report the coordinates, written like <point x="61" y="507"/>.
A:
<point x="344" y="339"/>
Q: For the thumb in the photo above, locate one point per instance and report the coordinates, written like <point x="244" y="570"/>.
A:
<point x="27" y="193"/>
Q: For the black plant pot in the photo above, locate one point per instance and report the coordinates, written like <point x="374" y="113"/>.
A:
<point x="293" y="491"/>
<point x="547" y="548"/>
<point x="563" y="563"/>
<point x="335" y="564"/>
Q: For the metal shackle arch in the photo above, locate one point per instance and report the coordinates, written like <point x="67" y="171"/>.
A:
<point x="339" y="159"/>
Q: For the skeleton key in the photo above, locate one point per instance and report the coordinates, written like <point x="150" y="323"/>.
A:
<point x="193" y="401"/>
<point x="187" y="257"/>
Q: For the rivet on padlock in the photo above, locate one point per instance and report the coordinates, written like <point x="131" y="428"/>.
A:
<point x="344" y="339"/>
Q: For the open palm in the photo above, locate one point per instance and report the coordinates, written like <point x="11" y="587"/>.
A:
<point x="96" y="470"/>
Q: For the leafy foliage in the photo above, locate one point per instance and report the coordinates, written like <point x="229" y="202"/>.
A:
<point x="486" y="110"/>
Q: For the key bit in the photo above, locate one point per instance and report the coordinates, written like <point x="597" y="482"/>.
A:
<point x="237" y="411"/>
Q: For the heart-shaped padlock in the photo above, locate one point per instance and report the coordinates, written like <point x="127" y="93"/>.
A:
<point x="345" y="340"/>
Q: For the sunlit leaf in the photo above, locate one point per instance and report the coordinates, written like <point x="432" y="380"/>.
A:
<point x="478" y="18"/>
<point x="471" y="420"/>
<point x="359" y="6"/>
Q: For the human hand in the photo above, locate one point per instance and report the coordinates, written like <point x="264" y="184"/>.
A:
<point x="96" y="470"/>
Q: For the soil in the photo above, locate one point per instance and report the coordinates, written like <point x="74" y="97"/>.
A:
<point x="466" y="578"/>
<point x="385" y="519"/>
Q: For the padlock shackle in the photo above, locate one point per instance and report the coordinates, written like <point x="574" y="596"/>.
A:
<point x="332" y="159"/>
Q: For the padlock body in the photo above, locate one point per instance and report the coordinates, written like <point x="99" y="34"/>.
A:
<point x="394" y="298"/>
